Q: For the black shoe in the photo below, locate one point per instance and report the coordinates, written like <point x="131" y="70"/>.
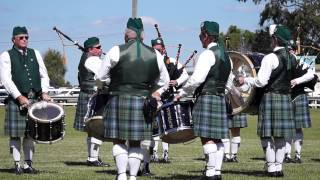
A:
<point x="272" y="174"/>
<point x="146" y="171"/>
<point x="279" y="174"/>
<point x="18" y="170"/>
<point x="166" y="157"/>
<point x="234" y="159"/>
<point x="287" y="159"/>
<point x="297" y="160"/>
<point x="97" y="163"/>
<point x="30" y="170"/>
<point x="225" y="159"/>
<point x="215" y="177"/>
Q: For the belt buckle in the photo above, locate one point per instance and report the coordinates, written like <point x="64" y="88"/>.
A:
<point x="31" y="95"/>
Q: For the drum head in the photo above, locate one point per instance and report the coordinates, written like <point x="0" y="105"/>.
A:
<point x="240" y="97"/>
<point x="45" y="112"/>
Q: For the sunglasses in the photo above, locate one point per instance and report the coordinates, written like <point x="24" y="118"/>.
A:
<point x="23" y="37"/>
<point x="98" y="47"/>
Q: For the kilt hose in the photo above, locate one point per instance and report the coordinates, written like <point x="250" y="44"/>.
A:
<point x="124" y="119"/>
<point x="275" y="117"/>
<point x="301" y="112"/>
<point x="210" y="117"/>
<point x="82" y="107"/>
<point x="238" y="121"/>
<point x="16" y="120"/>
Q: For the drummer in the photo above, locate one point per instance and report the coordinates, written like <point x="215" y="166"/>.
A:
<point x="89" y="64"/>
<point x="136" y="71"/>
<point x="25" y="77"/>
<point x="210" y="74"/>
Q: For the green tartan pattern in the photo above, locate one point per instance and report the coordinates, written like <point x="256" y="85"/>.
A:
<point x="82" y="107"/>
<point x="275" y="117"/>
<point x="238" y="121"/>
<point x="301" y="111"/>
<point x="124" y="119"/>
<point x="210" y="117"/>
<point x="15" y="121"/>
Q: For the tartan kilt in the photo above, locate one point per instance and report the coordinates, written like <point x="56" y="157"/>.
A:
<point x="82" y="107"/>
<point x="210" y="117"/>
<point x="124" y="119"/>
<point x="301" y="111"/>
<point x="275" y="117"/>
<point x="238" y="121"/>
<point x="15" y="121"/>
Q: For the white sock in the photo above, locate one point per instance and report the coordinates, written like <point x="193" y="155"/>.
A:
<point x="288" y="147"/>
<point x="120" y="154"/>
<point x="88" y="147"/>
<point x="235" y="144"/>
<point x="94" y="149"/>
<point x="156" y="145"/>
<point x="15" y="146"/>
<point x="280" y="151"/>
<point x="270" y="154"/>
<point x="132" y="178"/>
<point x="264" y="145"/>
<point x="28" y="148"/>
<point x="165" y="146"/>
<point x="226" y="143"/>
<point x="298" y="143"/>
<point x="145" y="146"/>
<point x="135" y="158"/>
<point x="218" y="158"/>
<point x="210" y="150"/>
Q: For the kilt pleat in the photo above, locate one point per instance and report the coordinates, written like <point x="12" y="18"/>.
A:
<point x="124" y="119"/>
<point x="210" y="117"/>
<point x="82" y="107"/>
<point x="301" y="111"/>
<point x="275" y="117"/>
<point x="238" y="121"/>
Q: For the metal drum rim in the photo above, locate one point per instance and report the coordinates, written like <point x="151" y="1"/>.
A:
<point x="30" y="112"/>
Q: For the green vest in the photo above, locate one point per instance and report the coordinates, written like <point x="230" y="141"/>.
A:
<point x="218" y="75"/>
<point x="134" y="74"/>
<point x="85" y="77"/>
<point x="25" y="70"/>
<point x="280" y="77"/>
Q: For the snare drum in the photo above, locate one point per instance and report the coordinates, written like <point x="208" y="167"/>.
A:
<point x="176" y="122"/>
<point x="46" y="123"/>
<point x="93" y="119"/>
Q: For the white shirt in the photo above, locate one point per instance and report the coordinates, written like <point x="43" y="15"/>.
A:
<point x="112" y="58"/>
<point x="184" y="76"/>
<point x="268" y="64"/>
<point x="204" y="62"/>
<point x="6" y="77"/>
<point x="93" y="64"/>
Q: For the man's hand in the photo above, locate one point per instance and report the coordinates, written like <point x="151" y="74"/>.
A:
<point x="293" y="83"/>
<point x="173" y="83"/>
<point x="177" y="97"/>
<point x="240" y="80"/>
<point x="156" y="95"/>
<point x="23" y="101"/>
<point x="45" y="97"/>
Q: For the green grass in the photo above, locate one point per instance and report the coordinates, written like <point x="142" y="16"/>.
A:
<point x="66" y="159"/>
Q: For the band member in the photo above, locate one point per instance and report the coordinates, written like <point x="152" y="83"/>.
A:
<point x="211" y="73"/>
<point x="135" y="71"/>
<point x="25" y="78"/>
<point x="275" y="119"/>
<point x="158" y="44"/>
<point x="300" y="109"/>
<point x="89" y="65"/>
<point x="235" y="123"/>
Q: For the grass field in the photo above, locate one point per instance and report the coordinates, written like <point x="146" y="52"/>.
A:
<point x="66" y="159"/>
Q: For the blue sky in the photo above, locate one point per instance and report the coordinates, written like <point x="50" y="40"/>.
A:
<point x="178" y="20"/>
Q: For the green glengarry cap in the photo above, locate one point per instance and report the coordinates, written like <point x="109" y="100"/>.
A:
<point x="91" y="42"/>
<point x="135" y="24"/>
<point x="211" y="27"/>
<point x="19" y="30"/>
<point x="284" y="34"/>
<point x="157" y="41"/>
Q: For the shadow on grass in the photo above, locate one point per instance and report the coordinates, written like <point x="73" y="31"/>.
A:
<point x="199" y="159"/>
<point x="111" y="172"/>
<point x="248" y="173"/>
<point x="316" y="160"/>
<point x="258" y="158"/>
<point x="178" y="176"/>
<point x="75" y="163"/>
<point x="11" y="170"/>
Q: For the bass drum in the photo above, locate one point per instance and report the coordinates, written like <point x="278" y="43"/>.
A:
<point x="244" y="99"/>
<point x="46" y="122"/>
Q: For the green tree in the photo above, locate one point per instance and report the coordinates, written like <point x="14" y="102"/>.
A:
<point x="54" y="62"/>
<point x="238" y="39"/>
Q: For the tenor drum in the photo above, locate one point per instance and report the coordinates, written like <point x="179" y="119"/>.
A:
<point x="93" y="120"/>
<point x="176" y="122"/>
<point x="46" y="123"/>
<point x="244" y="98"/>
